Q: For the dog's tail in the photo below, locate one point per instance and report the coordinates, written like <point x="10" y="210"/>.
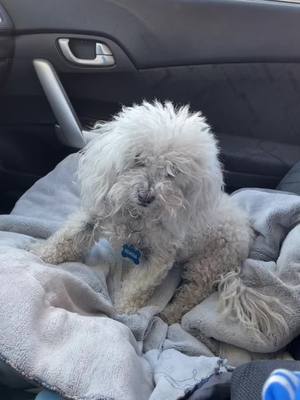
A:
<point x="258" y="311"/>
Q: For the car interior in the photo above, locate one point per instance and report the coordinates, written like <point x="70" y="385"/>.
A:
<point x="237" y="61"/>
<point x="64" y="64"/>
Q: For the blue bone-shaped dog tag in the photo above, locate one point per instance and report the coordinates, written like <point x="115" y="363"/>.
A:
<point x="132" y="253"/>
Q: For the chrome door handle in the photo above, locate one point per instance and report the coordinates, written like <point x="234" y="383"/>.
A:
<point x="104" y="57"/>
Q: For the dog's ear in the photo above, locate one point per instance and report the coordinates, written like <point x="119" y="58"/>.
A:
<point x="97" y="169"/>
<point x="203" y="198"/>
<point x="208" y="184"/>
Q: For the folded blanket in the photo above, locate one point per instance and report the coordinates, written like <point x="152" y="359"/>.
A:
<point x="56" y="328"/>
<point x="273" y="270"/>
<point x="56" y="325"/>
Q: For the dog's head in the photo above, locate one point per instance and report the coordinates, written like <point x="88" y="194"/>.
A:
<point x="152" y="160"/>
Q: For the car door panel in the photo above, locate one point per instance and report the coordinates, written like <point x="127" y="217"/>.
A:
<point x="172" y="32"/>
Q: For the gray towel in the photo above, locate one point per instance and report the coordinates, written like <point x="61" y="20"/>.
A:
<point x="56" y="325"/>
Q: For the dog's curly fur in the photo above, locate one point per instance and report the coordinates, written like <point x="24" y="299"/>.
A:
<point x="151" y="178"/>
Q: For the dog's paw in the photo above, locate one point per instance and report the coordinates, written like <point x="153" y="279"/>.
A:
<point x="50" y="259"/>
<point x="170" y="315"/>
<point x="126" y="308"/>
<point x="46" y="254"/>
<point x="127" y="305"/>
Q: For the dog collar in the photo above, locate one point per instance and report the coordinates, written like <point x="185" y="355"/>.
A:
<point x="129" y="251"/>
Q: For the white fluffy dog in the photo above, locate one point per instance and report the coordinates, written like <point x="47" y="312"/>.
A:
<point x="151" y="183"/>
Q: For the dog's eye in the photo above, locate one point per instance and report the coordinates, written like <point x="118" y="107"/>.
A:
<point x="172" y="172"/>
<point x="138" y="162"/>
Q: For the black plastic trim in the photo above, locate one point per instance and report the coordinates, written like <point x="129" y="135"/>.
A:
<point x="173" y="32"/>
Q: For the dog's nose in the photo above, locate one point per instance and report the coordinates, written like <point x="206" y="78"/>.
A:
<point x="145" y="198"/>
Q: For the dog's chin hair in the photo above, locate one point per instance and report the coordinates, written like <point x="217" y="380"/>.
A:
<point x="174" y="213"/>
<point x="173" y="217"/>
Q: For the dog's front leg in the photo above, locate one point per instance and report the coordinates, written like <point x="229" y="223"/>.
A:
<point x="140" y="283"/>
<point x="186" y="297"/>
<point x="70" y="243"/>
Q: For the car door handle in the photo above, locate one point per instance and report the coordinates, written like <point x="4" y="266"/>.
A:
<point x="69" y="129"/>
<point x="104" y="57"/>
